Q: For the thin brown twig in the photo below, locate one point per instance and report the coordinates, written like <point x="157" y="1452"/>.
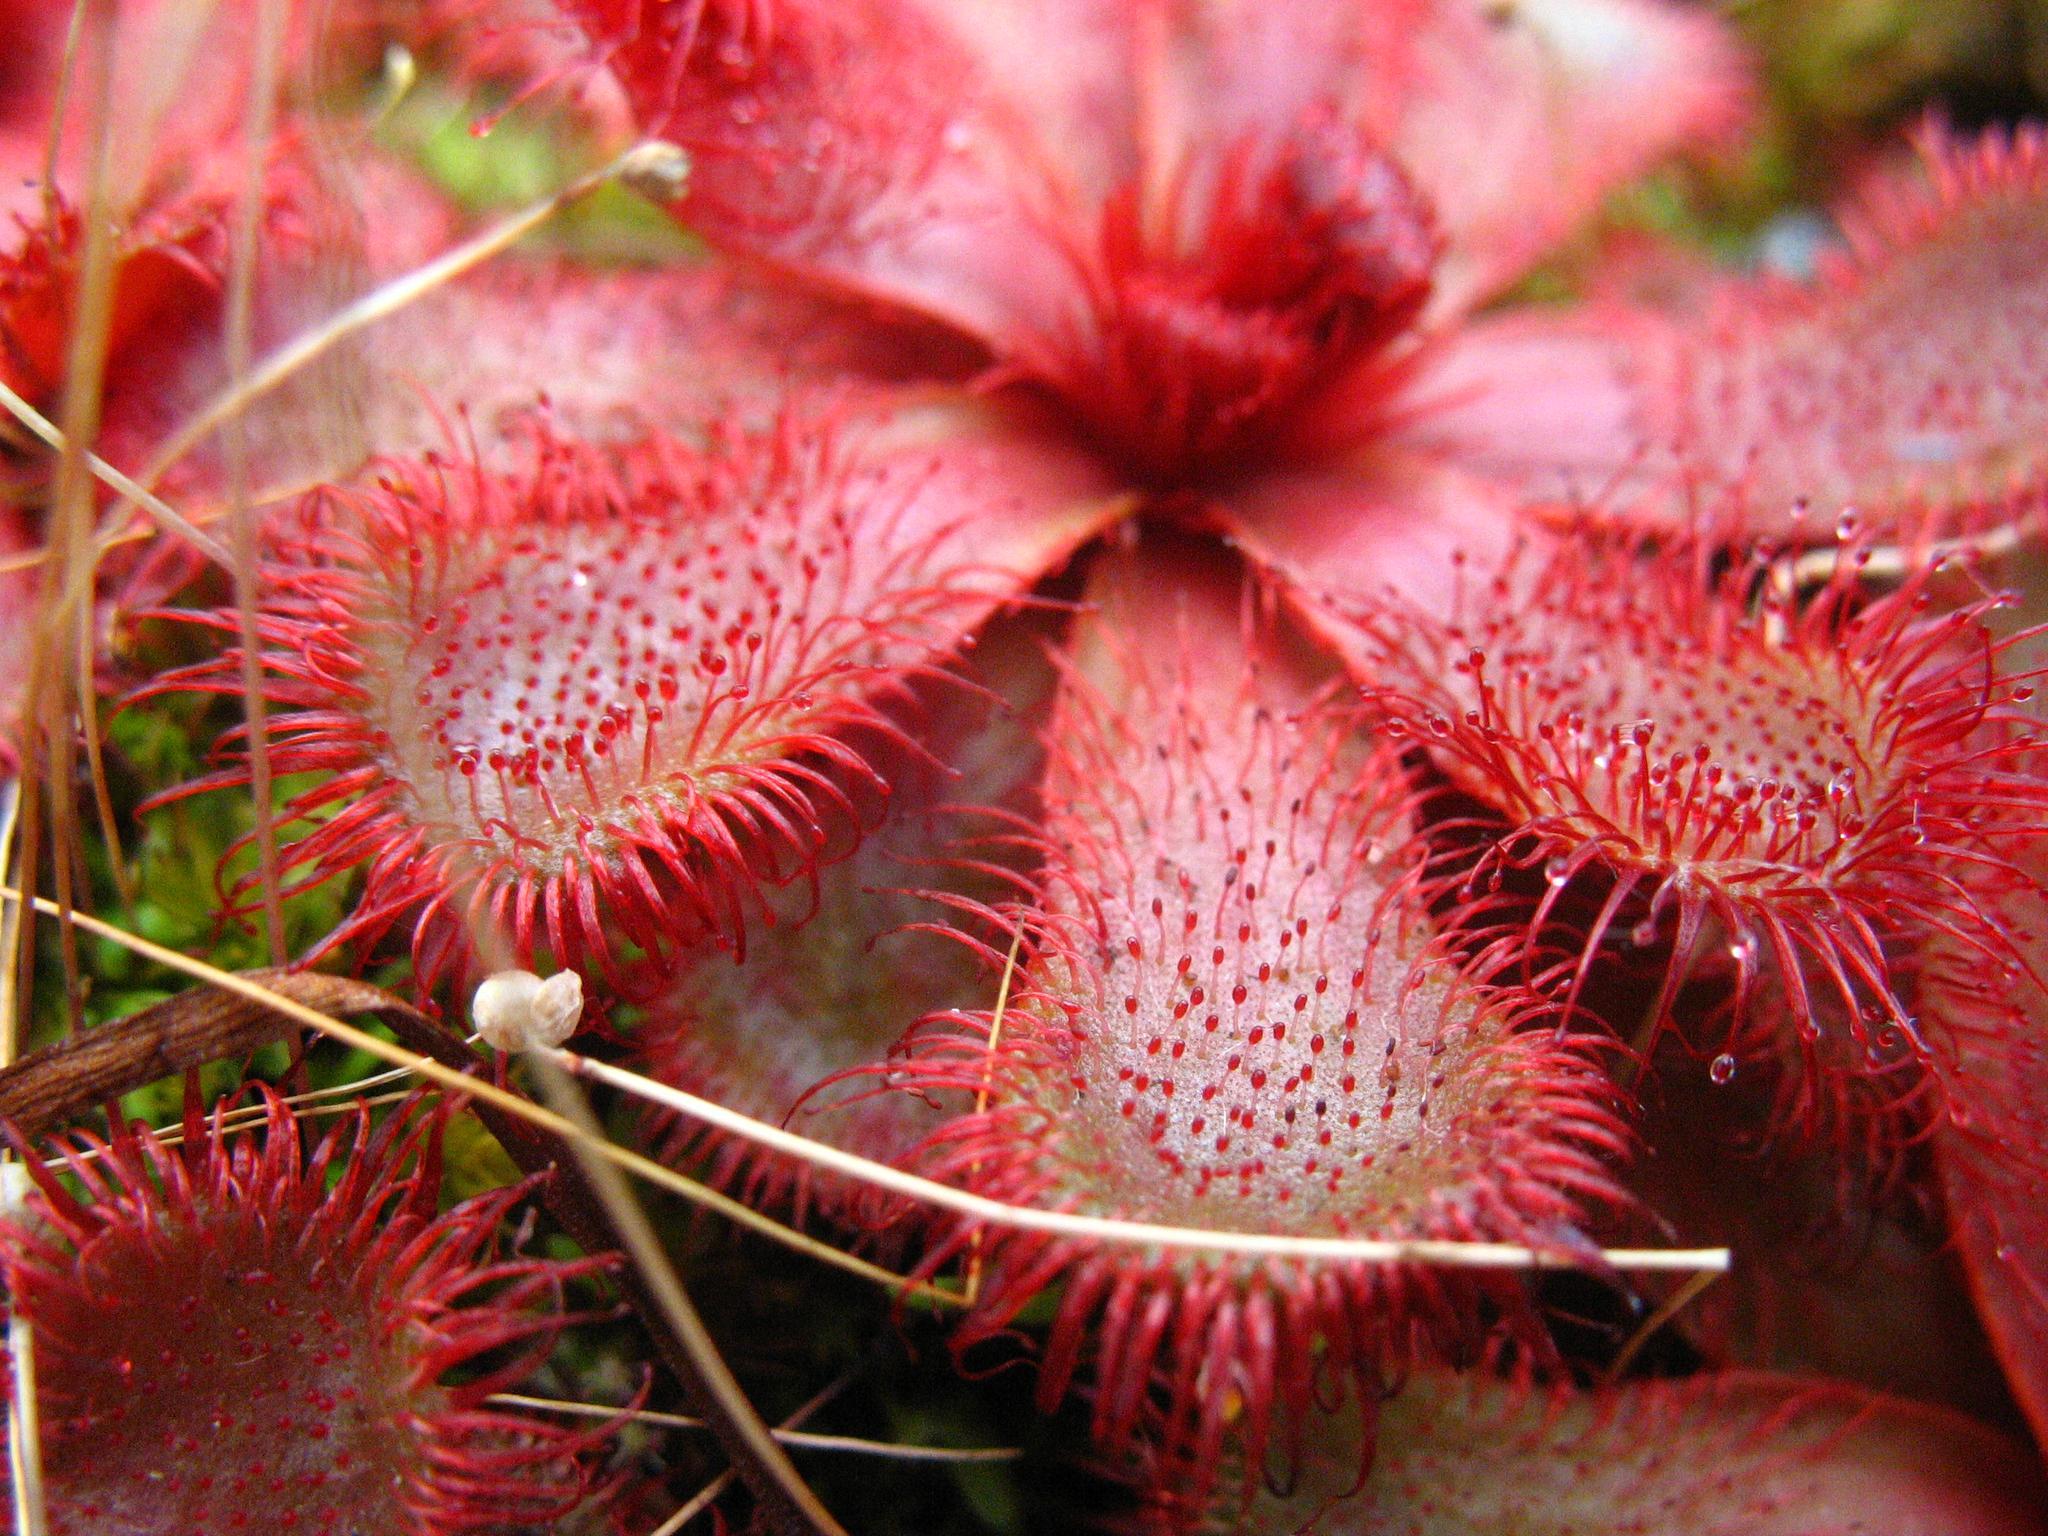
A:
<point x="259" y="1114"/>
<point x="259" y="128"/>
<point x="797" y="1439"/>
<point x="84" y="663"/>
<point x="971" y="1287"/>
<point x="10" y="918"/>
<point x="132" y="1065"/>
<point x="63" y="1080"/>
<point x="550" y="1146"/>
<point x="785" y="1498"/>
<point x="249" y="1115"/>
<point x="1673" y="1304"/>
<point x="47" y="712"/>
<point x="174" y="1031"/>
<point x="710" y="1493"/>
<point x="166" y="517"/>
<point x="24" y="1425"/>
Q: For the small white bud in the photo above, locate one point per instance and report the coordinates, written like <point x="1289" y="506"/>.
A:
<point x="502" y="1009"/>
<point x="14" y="1187"/>
<point x="517" y="1011"/>
<point x="557" y="1008"/>
<point x="657" y="170"/>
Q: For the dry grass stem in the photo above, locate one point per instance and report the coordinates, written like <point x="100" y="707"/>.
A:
<point x="259" y="129"/>
<point x="776" y="1483"/>
<point x="795" y="1438"/>
<point x="972" y="1288"/>
<point x="1453" y="1255"/>
<point x="167" y="517"/>
<point x="24" y="1427"/>
<point x="1672" y="1305"/>
<point x="1462" y="1255"/>
<point x="512" y="1103"/>
<point x="379" y="304"/>
<point x="712" y="1491"/>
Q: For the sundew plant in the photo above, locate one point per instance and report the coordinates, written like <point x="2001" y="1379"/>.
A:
<point x="948" y="766"/>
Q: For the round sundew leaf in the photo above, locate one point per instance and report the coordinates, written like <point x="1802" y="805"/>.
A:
<point x="620" y="691"/>
<point x="799" y="1028"/>
<point x="607" y="356"/>
<point x="231" y="1326"/>
<point x="1741" y="1454"/>
<point x="1807" y="782"/>
<point x="1901" y="386"/>
<point x="1232" y="1016"/>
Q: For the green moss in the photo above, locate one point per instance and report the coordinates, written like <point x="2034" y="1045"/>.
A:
<point x="523" y="158"/>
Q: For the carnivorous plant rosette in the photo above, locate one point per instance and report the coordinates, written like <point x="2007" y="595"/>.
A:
<point x="1087" y="522"/>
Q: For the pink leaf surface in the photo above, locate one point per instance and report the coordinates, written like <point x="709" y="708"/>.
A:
<point x="1990" y="1150"/>
<point x="1530" y="399"/>
<point x="1232" y="1015"/>
<point x="1901" y="387"/>
<point x="1389" y="530"/>
<point x="801" y="1027"/>
<point x="1199" y="211"/>
<point x="860" y="143"/>
<point x="1516" y="120"/>
<point x="1744" y="1454"/>
<point x="619" y="685"/>
<point x="1802" y="784"/>
<point x="607" y="356"/>
<point x="1068" y="66"/>
<point x="239" y="1317"/>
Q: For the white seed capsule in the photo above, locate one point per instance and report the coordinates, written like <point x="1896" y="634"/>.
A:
<point x="14" y="1187"/>
<point x="658" y="170"/>
<point x="517" y="1011"/>
<point x="557" y="1008"/>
